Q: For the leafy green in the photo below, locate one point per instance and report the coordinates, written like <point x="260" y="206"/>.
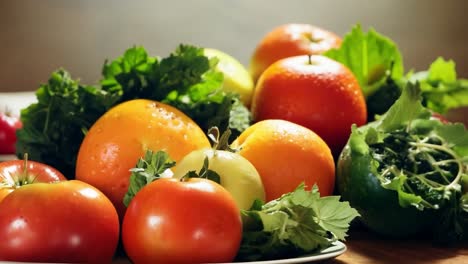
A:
<point x="372" y="57"/>
<point x="296" y="223"/>
<point x="456" y="138"/>
<point x="441" y="90"/>
<point x="378" y="66"/>
<point x="55" y="126"/>
<point x="421" y="159"/>
<point x="147" y="170"/>
<point x="132" y="75"/>
<point x="204" y="172"/>
<point x="442" y="71"/>
<point x="240" y="118"/>
<point x="186" y="79"/>
<point x="383" y="98"/>
<point x="404" y="110"/>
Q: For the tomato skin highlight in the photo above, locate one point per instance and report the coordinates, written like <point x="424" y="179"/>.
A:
<point x="193" y="221"/>
<point x="12" y="172"/>
<point x="68" y="221"/>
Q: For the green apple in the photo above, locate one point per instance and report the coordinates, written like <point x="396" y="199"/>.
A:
<point x="236" y="77"/>
<point x="237" y="175"/>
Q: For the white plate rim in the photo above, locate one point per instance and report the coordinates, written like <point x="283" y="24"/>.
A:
<point x="333" y="251"/>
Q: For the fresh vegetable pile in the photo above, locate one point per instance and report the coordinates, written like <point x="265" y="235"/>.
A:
<point x="55" y="126"/>
<point x="181" y="160"/>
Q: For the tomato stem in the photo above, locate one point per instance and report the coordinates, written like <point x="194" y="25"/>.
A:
<point x="24" y="178"/>
<point x="25" y="163"/>
<point x="220" y="142"/>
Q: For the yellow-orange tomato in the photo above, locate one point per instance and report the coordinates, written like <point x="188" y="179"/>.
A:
<point x="285" y="155"/>
<point x="121" y="136"/>
<point x="316" y="92"/>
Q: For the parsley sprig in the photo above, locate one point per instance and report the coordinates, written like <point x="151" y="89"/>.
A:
<point x="298" y="222"/>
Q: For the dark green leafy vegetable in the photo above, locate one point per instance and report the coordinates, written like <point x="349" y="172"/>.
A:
<point x="421" y="161"/>
<point x="297" y="223"/>
<point x="54" y="127"/>
<point x="186" y="79"/>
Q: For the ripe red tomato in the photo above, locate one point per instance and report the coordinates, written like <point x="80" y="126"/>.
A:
<point x="15" y="173"/>
<point x="172" y="221"/>
<point x="8" y="126"/>
<point x="67" y="221"/>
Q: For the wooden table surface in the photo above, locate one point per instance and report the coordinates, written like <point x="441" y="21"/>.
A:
<point x="366" y="248"/>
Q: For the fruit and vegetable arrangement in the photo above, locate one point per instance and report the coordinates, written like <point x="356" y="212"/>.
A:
<point x="192" y="158"/>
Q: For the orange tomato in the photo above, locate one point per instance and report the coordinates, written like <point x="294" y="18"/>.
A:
<point x="286" y="154"/>
<point x="291" y="40"/>
<point x="316" y="92"/>
<point x="123" y="134"/>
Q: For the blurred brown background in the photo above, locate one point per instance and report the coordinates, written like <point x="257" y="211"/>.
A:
<point x="37" y="37"/>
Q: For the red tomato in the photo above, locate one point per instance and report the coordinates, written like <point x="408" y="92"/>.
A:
<point x="13" y="175"/>
<point x="67" y="221"/>
<point x="8" y="126"/>
<point x="171" y="221"/>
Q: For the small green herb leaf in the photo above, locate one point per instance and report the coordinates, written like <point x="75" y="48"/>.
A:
<point x="147" y="170"/>
<point x="204" y="173"/>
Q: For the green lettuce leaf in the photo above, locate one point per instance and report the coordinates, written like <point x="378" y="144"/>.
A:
<point x="456" y="137"/>
<point x="441" y="90"/>
<point x="370" y="56"/>
<point x="407" y="108"/>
